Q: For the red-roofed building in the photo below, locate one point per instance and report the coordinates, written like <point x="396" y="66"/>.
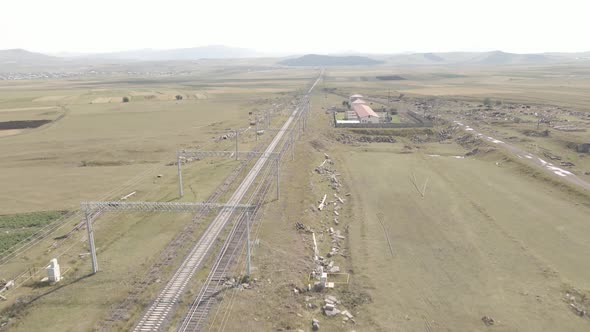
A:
<point x="364" y="113"/>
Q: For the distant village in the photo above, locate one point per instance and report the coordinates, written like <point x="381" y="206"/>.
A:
<point x="14" y="76"/>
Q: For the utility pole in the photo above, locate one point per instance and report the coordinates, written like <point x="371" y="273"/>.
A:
<point x="278" y="161"/>
<point x="237" y="142"/>
<point x="91" y="242"/>
<point x="389" y="97"/>
<point x="180" y="191"/>
<point x="256" y="127"/>
<point x="292" y="146"/>
<point x="248" y="243"/>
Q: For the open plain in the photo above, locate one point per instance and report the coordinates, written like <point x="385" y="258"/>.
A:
<point x="432" y="229"/>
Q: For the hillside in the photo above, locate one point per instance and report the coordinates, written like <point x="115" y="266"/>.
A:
<point x="327" y="60"/>
<point x="193" y="53"/>
<point x="20" y="56"/>
<point x="483" y="58"/>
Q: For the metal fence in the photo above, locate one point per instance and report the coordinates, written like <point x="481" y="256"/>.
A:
<point x="420" y="123"/>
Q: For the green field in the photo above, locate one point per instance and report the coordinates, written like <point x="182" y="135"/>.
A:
<point x="15" y="228"/>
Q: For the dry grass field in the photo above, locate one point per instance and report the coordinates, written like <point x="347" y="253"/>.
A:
<point x="104" y="150"/>
<point x="472" y="235"/>
<point x="492" y="237"/>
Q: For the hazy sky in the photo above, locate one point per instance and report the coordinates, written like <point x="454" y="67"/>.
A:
<point x="297" y="26"/>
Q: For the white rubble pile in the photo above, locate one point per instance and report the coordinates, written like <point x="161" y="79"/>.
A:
<point x="331" y="310"/>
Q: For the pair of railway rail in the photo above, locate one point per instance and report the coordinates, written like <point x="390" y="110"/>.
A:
<point x="158" y="314"/>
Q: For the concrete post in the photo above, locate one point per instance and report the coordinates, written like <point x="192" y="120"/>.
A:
<point x="180" y="190"/>
<point x="91" y="242"/>
<point x="248" y="243"/>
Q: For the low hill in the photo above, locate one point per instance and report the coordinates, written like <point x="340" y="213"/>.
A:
<point x="328" y="60"/>
<point x="481" y="58"/>
<point x="181" y="54"/>
<point x="20" y="56"/>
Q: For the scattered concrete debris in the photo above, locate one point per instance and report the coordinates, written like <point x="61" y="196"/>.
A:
<point x="488" y="321"/>
<point x="129" y="195"/>
<point x="579" y="311"/>
<point x="322" y="203"/>
<point x="315" y="324"/>
<point x="6" y="285"/>
<point x="355" y="139"/>
<point x="577" y="303"/>
<point x="315" y="248"/>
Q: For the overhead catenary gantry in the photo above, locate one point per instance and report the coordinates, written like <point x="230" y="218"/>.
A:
<point x="184" y="155"/>
<point x="93" y="209"/>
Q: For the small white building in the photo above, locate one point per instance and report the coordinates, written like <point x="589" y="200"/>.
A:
<point x="53" y="271"/>
<point x="355" y="97"/>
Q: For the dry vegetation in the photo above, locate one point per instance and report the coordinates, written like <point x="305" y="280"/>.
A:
<point x="441" y="230"/>
<point x="480" y="238"/>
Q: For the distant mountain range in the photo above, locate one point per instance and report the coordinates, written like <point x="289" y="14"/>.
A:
<point x="329" y="60"/>
<point x="181" y="54"/>
<point x="19" y="57"/>
<point x="483" y="58"/>
<point x="16" y="58"/>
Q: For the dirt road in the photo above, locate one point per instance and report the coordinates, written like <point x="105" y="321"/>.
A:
<point x="530" y="158"/>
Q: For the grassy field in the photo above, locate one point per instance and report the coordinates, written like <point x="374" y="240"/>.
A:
<point x="491" y="236"/>
<point x="484" y="241"/>
<point x="100" y="148"/>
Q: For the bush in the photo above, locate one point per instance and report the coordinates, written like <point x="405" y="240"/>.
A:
<point x="125" y="99"/>
<point x="178" y="97"/>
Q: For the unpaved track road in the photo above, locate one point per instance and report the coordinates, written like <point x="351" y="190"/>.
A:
<point x="530" y="158"/>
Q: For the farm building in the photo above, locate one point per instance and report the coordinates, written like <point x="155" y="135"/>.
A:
<point x="364" y="113"/>
<point x="359" y="112"/>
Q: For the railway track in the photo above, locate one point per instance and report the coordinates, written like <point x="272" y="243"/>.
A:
<point x="219" y="273"/>
<point x="159" y="312"/>
<point x="172" y="249"/>
<point x="207" y="297"/>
